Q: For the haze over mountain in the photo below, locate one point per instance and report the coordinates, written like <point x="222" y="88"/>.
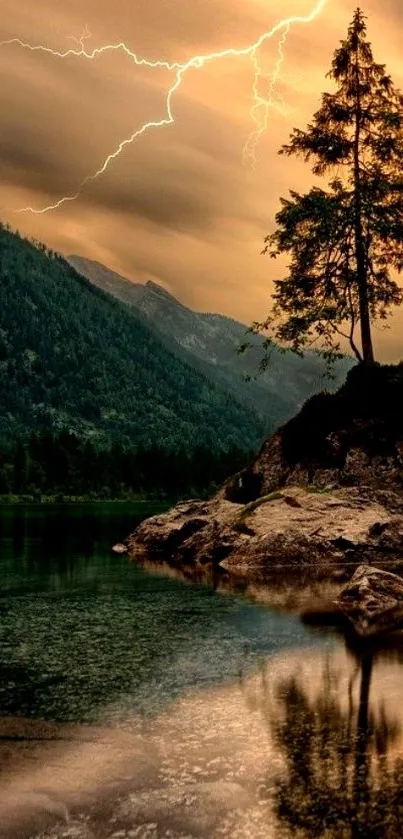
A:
<point x="209" y="342"/>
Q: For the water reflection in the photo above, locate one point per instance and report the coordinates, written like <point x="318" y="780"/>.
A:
<point x="138" y="705"/>
<point x="293" y="591"/>
<point x="343" y="773"/>
<point x="57" y="544"/>
<point x="309" y="746"/>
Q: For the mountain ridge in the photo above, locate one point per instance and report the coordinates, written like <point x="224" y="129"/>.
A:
<point x="210" y="342"/>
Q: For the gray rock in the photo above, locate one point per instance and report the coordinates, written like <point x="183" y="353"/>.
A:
<point x="372" y="601"/>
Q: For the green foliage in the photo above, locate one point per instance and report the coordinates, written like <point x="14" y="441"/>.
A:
<point x="343" y="241"/>
<point x="73" y="359"/>
<point x="55" y="467"/>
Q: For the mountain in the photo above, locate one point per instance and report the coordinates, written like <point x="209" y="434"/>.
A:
<point x="209" y="342"/>
<point x="74" y="358"/>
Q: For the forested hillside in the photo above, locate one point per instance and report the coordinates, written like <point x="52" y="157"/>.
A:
<point x="74" y="359"/>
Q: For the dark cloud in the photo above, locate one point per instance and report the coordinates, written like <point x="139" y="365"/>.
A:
<point x="178" y="206"/>
<point x="23" y="158"/>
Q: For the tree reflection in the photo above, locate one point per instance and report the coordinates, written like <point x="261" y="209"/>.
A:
<point x="338" y="779"/>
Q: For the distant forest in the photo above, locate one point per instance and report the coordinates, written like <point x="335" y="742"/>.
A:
<point x="62" y="466"/>
<point x="74" y="359"/>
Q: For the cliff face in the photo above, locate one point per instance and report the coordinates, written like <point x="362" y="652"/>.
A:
<point x="326" y="490"/>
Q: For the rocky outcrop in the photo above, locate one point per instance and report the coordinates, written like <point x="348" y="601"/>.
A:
<point x="325" y="490"/>
<point x="353" y="437"/>
<point x="294" y="526"/>
<point x="372" y="601"/>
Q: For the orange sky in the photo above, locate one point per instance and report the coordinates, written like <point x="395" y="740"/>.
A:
<point x="177" y="206"/>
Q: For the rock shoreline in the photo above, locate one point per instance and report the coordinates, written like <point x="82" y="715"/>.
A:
<point x="325" y="491"/>
<point x="288" y="528"/>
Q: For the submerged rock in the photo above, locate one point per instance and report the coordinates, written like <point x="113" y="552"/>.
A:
<point x="120" y="548"/>
<point x="373" y="601"/>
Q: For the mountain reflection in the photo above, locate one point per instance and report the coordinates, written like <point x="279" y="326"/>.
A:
<point x="340" y="778"/>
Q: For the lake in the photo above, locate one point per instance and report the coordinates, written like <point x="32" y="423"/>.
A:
<point x="136" y="703"/>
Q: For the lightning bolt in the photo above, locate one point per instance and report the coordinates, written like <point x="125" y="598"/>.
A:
<point x="79" y="41"/>
<point x="262" y="104"/>
<point x="197" y="62"/>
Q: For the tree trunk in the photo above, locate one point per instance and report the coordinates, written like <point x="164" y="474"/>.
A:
<point x="362" y="277"/>
<point x="365" y="323"/>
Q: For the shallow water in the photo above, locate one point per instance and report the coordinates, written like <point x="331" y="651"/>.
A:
<point x="141" y="704"/>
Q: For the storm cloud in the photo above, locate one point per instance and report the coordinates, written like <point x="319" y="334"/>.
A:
<point x="177" y="206"/>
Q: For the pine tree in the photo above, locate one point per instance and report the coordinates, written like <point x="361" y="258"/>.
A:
<point x="344" y="240"/>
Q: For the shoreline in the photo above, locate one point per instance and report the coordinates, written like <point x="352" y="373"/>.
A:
<point x="50" y="500"/>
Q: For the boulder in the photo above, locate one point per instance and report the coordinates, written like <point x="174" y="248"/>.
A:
<point x="372" y="601"/>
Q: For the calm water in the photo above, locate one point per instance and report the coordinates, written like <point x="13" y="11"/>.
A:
<point x="85" y="634"/>
<point x="138" y="704"/>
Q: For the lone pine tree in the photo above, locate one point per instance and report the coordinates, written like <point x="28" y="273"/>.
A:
<point x="345" y="240"/>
